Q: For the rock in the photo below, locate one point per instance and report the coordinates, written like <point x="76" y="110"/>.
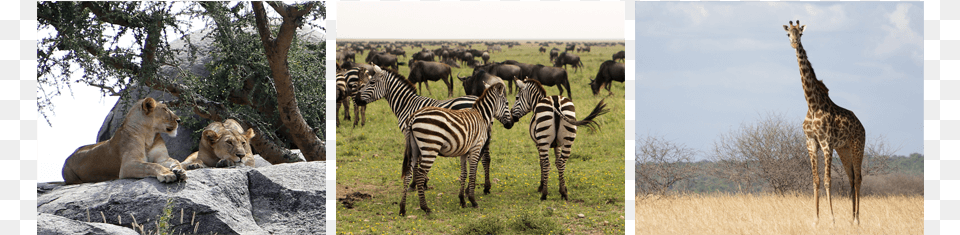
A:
<point x="48" y="224"/>
<point x="278" y="199"/>
<point x="581" y="216"/>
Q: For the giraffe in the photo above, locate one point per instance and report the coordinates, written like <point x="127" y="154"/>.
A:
<point x="829" y="127"/>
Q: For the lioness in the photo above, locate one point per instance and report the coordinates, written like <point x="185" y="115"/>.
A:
<point x="135" y="150"/>
<point x="222" y="144"/>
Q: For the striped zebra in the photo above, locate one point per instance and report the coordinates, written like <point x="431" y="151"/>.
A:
<point x="554" y="125"/>
<point x="401" y="95"/>
<point x="464" y="133"/>
<point x="356" y="79"/>
<point x="343" y="96"/>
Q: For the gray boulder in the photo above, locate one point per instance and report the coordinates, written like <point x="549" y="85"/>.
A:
<point x="48" y="224"/>
<point x="183" y="145"/>
<point x="277" y="199"/>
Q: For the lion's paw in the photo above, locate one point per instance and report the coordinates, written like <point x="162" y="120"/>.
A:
<point x="167" y="178"/>
<point x="181" y="174"/>
<point x="195" y="166"/>
<point x="226" y="163"/>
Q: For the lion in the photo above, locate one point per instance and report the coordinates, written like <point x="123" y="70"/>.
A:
<point x="222" y="144"/>
<point x="136" y="149"/>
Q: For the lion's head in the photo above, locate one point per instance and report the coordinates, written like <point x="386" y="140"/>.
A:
<point x="151" y="113"/>
<point x="228" y="144"/>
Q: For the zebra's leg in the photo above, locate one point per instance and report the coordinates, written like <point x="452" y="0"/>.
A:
<point x="337" y="113"/>
<point x="420" y="175"/>
<point x="364" y="112"/>
<point x="562" y="153"/>
<point x="346" y="108"/>
<point x="356" y="113"/>
<point x="544" y="168"/>
<point x="485" y="158"/>
<point x="474" y="158"/>
<point x="463" y="179"/>
<point x="403" y="200"/>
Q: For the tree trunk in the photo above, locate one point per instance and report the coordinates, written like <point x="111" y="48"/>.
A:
<point x="276" y="51"/>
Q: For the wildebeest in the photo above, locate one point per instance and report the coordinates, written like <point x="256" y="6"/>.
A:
<point x="399" y="52"/>
<point x="621" y="55"/>
<point x="585" y="48"/>
<point x="570" y="47"/>
<point x="503" y="70"/>
<point x="424" y="71"/>
<point x="554" y="53"/>
<point x="550" y="76"/>
<point x="346" y="55"/>
<point x="485" y="56"/>
<point x="568" y="58"/>
<point x="451" y="62"/>
<point x="350" y="64"/>
<point x="542" y="50"/>
<point x="525" y="69"/>
<point x="382" y="59"/>
<point x="609" y="71"/>
<point x="467" y="58"/>
<point x="425" y="55"/>
<point x="479" y="81"/>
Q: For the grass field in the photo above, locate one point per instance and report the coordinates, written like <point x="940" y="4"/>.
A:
<point x="769" y="214"/>
<point x="369" y="158"/>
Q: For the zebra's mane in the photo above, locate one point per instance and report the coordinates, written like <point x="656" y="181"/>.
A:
<point x="403" y="80"/>
<point x="486" y="92"/>
<point x="537" y="84"/>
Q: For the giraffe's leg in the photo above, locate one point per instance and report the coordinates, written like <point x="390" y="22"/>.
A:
<point x="485" y="158"/>
<point x="812" y="146"/>
<point x="827" y="161"/>
<point x="463" y="179"/>
<point x="562" y="153"/>
<point x="852" y="159"/>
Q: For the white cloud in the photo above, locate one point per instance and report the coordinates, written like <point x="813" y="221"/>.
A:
<point x="898" y="33"/>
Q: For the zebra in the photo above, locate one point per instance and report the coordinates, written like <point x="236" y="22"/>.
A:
<point x="343" y="96"/>
<point x="435" y="131"/>
<point x="404" y="101"/>
<point x="554" y="125"/>
<point x="356" y="79"/>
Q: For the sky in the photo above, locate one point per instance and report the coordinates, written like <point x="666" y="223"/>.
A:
<point x="705" y="68"/>
<point x="480" y="20"/>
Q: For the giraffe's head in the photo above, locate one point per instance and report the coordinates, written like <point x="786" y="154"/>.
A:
<point x="794" y="32"/>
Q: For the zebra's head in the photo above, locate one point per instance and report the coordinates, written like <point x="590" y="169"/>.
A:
<point x="375" y="88"/>
<point x="530" y="91"/>
<point x="494" y="99"/>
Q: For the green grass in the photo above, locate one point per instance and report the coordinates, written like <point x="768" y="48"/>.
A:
<point x="368" y="161"/>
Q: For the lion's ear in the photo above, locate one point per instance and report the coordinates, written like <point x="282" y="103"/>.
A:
<point x="148" y="105"/>
<point x="249" y="134"/>
<point x="211" y="136"/>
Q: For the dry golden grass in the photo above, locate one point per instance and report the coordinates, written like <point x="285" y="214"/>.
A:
<point x="771" y="214"/>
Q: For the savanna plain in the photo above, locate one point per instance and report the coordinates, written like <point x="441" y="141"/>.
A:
<point x="369" y="186"/>
<point x="776" y="214"/>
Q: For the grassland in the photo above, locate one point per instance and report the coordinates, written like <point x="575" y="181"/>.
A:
<point x="369" y="157"/>
<point x="771" y="214"/>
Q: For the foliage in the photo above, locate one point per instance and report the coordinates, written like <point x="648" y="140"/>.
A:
<point x="369" y="159"/>
<point x="772" y="150"/>
<point x="116" y="46"/>
<point x="661" y="164"/>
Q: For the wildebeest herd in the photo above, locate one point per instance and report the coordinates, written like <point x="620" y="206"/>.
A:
<point x="461" y="126"/>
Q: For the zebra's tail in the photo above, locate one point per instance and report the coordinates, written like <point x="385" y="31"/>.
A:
<point x="411" y="155"/>
<point x="588" y="121"/>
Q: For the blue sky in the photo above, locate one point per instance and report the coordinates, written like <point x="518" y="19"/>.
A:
<point x="705" y="68"/>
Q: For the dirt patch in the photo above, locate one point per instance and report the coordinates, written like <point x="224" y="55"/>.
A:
<point x="353" y="198"/>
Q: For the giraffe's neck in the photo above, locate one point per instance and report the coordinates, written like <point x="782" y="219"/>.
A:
<point x="813" y="90"/>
